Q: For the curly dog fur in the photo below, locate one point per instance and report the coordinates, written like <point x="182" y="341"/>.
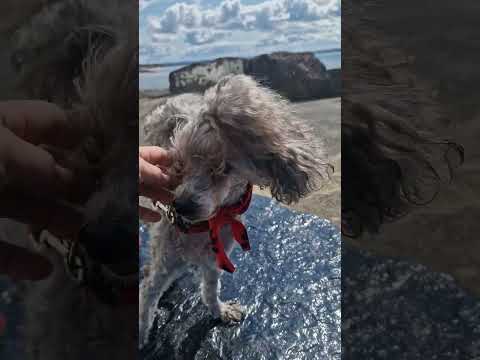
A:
<point x="392" y="160"/>
<point x="238" y="132"/>
<point x="83" y="57"/>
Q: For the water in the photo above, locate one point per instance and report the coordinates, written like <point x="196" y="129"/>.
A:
<point x="332" y="60"/>
<point x="158" y="79"/>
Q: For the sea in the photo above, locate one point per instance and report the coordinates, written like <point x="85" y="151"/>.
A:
<point x="157" y="78"/>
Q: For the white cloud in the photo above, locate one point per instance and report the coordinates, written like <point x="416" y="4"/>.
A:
<point x="142" y="4"/>
<point x="200" y="37"/>
<point x="229" y="9"/>
<point x="263" y="15"/>
<point x="305" y="10"/>
<point x="212" y="28"/>
<point x="264" y="18"/>
<point x="175" y="17"/>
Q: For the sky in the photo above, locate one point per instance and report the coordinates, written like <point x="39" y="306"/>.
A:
<point x="189" y="30"/>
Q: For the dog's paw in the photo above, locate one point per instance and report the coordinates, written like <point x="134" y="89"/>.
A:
<point x="231" y="312"/>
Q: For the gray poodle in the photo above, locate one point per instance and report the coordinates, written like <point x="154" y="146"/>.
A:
<point x="236" y="135"/>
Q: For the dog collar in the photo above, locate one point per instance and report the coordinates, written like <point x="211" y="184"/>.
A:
<point x="109" y="287"/>
<point x="225" y="216"/>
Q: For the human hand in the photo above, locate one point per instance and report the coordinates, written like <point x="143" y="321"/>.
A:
<point x="154" y="183"/>
<point x="33" y="186"/>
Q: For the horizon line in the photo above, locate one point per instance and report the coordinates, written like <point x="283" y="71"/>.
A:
<point x="177" y="63"/>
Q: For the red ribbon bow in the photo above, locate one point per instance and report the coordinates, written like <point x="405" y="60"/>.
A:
<point x="225" y="216"/>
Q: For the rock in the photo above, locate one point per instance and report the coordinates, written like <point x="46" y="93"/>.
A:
<point x="297" y="76"/>
<point x="335" y="76"/>
<point x="289" y="282"/>
<point x="394" y="309"/>
<point x="200" y="76"/>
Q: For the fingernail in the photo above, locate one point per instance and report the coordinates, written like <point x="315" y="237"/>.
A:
<point x="167" y="178"/>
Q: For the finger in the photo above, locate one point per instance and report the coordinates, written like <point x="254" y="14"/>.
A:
<point x="153" y="182"/>
<point x="148" y="215"/>
<point x="60" y="218"/>
<point x="40" y="122"/>
<point x="155" y="155"/>
<point x="29" y="167"/>
<point x="164" y="196"/>
<point x="21" y="264"/>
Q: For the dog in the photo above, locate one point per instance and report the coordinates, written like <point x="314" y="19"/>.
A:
<point x="79" y="56"/>
<point x="237" y="134"/>
<point x="394" y="161"/>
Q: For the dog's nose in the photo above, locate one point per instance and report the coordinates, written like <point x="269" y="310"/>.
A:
<point x="185" y="207"/>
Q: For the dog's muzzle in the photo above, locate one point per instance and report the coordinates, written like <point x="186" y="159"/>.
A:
<point x="224" y="216"/>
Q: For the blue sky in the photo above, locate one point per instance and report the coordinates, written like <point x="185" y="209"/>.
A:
<point x="189" y="30"/>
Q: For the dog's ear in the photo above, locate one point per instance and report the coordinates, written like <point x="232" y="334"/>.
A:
<point x="272" y="146"/>
<point x="160" y="124"/>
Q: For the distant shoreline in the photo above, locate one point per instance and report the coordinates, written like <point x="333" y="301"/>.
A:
<point x="146" y="68"/>
<point x="162" y="92"/>
<point x="153" y="93"/>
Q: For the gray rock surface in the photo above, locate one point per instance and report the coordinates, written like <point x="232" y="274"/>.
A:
<point x="297" y="76"/>
<point x="289" y="283"/>
<point x="198" y="77"/>
<point x="335" y="76"/>
<point x="393" y="309"/>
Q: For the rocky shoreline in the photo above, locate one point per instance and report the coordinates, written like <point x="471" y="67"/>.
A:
<point x="296" y="76"/>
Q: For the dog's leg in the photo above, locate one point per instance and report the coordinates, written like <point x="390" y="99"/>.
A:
<point x="229" y="311"/>
<point x="152" y="289"/>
